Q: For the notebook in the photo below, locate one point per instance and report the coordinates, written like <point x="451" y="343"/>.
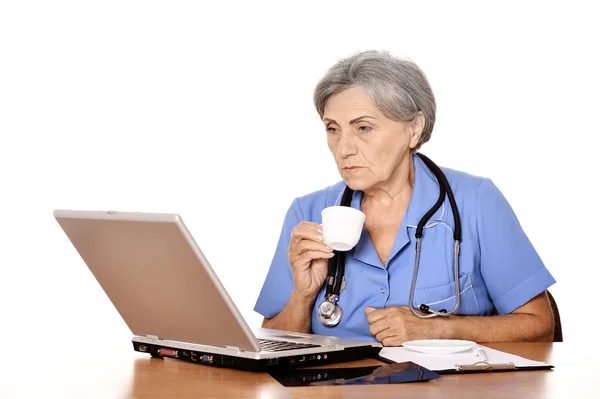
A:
<point x="478" y="359"/>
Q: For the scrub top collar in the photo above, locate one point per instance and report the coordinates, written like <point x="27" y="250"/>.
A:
<point x="424" y="195"/>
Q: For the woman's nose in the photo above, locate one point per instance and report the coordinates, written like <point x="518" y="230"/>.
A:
<point x="347" y="145"/>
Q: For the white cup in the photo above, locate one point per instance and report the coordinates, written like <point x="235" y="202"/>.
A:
<point x="342" y="227"/>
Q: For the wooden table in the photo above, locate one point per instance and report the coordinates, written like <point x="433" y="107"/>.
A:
<point x="126" y="374"/>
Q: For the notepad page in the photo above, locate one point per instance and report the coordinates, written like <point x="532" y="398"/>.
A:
<point x="437" y="362"/>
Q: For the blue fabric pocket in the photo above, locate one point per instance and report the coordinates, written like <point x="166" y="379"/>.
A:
<point x="444" y="297"/>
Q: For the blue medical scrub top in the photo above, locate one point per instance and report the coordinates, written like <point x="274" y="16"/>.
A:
<point x="498" y="266"/>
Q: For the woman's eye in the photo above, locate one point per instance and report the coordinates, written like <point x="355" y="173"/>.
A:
<point x="331" y="130"/>
<point x="364" y="128"/>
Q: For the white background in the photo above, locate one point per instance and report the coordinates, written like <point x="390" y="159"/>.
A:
<point x="206" y="111"/>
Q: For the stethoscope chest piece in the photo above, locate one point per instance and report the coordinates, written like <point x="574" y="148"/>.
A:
<point x="330" y="313"/>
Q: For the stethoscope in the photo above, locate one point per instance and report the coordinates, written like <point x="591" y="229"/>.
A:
<point x="330" y="312"/>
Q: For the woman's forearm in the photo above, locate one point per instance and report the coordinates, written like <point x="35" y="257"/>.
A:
<point x="532" y="322"/>
<point x="395" y="325"/>
<point x="515" y="327"/>
<point x="505" y="328"/>
<point x="295" y="316"/>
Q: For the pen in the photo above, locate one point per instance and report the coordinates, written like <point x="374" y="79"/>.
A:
<point x="481" y="354"/>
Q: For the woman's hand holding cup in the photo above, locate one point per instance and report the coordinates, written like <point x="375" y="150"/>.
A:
<point x="311" y="246"/>
<point x="308" y="255"/>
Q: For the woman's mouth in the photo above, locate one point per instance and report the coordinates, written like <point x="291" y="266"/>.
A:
<point x="352" y="168"/>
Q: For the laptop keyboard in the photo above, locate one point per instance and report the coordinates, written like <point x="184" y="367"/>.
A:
<point x="277" y="346"/>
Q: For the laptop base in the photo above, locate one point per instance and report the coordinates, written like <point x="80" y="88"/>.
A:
<point x="293" y="361"/>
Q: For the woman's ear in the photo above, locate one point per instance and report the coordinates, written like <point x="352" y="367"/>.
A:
<point x="417" y="126"/>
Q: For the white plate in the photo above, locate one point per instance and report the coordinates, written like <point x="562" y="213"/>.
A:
<point x="439" y="346"/>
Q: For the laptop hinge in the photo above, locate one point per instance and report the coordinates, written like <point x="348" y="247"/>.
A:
<point x="151" y="336"/>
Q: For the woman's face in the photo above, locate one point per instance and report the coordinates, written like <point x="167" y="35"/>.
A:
<point x="367" y="146"/>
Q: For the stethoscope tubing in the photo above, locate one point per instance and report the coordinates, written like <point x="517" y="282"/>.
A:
<point x="330" y="313"/>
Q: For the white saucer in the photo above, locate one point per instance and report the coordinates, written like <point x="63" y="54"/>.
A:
<point x="439" y="346"/>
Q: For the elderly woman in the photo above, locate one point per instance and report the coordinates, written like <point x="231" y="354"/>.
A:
<point x="378" y="110"/>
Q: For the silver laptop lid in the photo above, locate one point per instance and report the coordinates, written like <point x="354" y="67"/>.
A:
<point x="157" y="277"/>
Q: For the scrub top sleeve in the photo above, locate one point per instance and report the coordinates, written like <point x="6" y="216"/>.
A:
<point x="511" y="268"/>
<point x="279" y="284"/>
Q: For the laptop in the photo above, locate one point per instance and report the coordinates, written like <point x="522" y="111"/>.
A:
<point x="169" y="296"/>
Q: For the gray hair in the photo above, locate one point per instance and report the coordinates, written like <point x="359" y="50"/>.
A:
<point x="397" y="86"/>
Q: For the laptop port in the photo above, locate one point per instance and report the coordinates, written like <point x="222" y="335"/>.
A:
<point x="206" y="359"/>
<point x="168" y="352"/>
<point x="142" y="348"/>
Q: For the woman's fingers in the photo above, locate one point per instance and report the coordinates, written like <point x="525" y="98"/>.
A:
<point x="309" y="256"/>
<point x="307" y="231"/>
<point x="307" y="237"/>
<point x="307" y="245"/>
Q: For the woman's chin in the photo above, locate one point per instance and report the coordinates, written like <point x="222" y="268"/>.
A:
<point x="355" y="183"/>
